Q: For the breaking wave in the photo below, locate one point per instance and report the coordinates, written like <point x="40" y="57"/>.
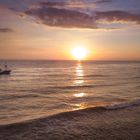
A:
<point x="69" y="114"/>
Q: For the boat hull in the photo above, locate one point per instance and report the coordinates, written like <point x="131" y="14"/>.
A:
<point x="5" y="72"/>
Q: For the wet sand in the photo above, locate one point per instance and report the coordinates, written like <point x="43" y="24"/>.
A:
<point x="88" y="124"/>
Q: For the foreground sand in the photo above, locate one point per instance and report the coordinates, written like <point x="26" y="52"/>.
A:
<point x="88" y="124"/>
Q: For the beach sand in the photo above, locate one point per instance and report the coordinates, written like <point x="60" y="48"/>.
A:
<point x="87" y="124"/>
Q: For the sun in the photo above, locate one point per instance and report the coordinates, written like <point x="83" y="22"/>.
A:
<point x="79" y="53"/>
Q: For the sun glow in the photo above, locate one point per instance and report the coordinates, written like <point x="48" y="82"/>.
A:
<point x="79" y="53"/>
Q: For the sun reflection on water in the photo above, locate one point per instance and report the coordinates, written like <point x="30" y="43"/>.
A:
<point x="79" y="70"/>
<point x="80" y="106"/>
<point x="79" y="81"/>
<point x="79" y="74"/>
<point x="79" y="94"/>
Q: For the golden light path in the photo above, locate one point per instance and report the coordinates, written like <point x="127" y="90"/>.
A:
<point x="79" y="81"/>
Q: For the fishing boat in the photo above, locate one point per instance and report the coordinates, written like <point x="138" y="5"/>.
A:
<point x="5" y="72"/>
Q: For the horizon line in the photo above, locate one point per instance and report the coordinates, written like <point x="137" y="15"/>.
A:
<point x="69" y="60"/>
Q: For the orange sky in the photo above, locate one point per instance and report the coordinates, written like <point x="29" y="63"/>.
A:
<point x="30" y="37"/>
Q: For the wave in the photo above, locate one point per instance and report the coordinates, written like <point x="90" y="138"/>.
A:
<point x="91" y="123"/>
<point x="58" y="75"/>
<point x="96" y="75"/>
<point x="115" y="106"/>
<point x="70" y="114"/>
<point x="19" y="96"/>
<point x="136" y="77"/>
<point x="82" y="86"/>
<point x="123" y="105"/>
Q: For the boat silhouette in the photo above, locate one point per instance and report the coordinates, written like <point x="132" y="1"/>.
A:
<point x="5" y="72"/>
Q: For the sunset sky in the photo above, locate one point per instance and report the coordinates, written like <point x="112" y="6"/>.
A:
<point x="51" y="29"/>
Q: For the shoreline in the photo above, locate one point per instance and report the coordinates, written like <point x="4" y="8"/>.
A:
<point x="86" y="124"/>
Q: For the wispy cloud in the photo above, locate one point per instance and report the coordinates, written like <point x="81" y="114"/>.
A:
<point x="68" y="4"/>
<point x="112" y="16"/>
<point x="6" y="30"/>
<point x="102" y="1"/>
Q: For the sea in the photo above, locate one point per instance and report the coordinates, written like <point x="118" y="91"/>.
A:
<point x="41" y="88"/>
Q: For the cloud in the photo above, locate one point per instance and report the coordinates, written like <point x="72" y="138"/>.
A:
<point x="52" y="4"/>
<point x="49" y="15"/>
<point x="68" y="4"/>
<point x="6" y="30"/>
<point x="103" y="1"/>
<point x="73" y="3"/>
<point x="112" y="16"/>
<point x="62" y="17"/>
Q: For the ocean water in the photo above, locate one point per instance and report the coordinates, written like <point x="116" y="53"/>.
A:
<point x="37" y="89"/>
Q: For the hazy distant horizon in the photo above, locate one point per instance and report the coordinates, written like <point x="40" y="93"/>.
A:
<point x="125" y="60"/>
